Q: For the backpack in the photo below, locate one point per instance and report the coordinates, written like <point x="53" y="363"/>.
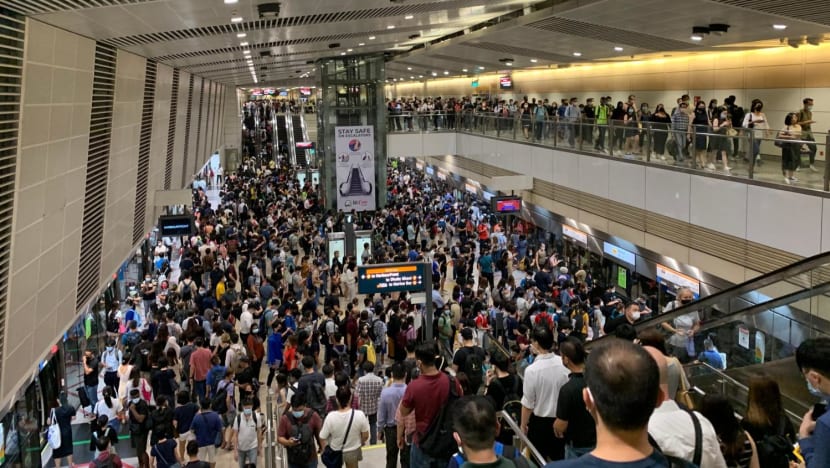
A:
<point x="186" y="291"/>
<point x="107" y="463"/>
<point x="474" y="368"/>
<point x="321" y="330"/>
<point x="370" y="353"/>
<point x="316" y="399"/>
<point x="131" y="340"/>
<point x="299" y="454"/>
<point x="675" y="462"/>
<point x="219" y="402"/>
<point x="236" y="357"/>
<point x="113" y="323"/>
<point x="513" y="400"/>
<point x="401" y="340"/>
<point x="445" y="326"/>
<point x="379" y="329"/>
<point x="438" y="441"/>
<point x="774" y="450"/>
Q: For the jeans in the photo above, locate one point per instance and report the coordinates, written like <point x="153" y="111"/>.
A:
<point x="247" y="457"/>
<point x="576" y="452"/>
<point x="680" y="141"/>
<point x="811" y="146"/>
<point x="312" y="464"/>
<point x="199" y="389"/>
<point x="373" y="429"/>
<point x="390" y="436"/>
<point x="601" y="137"/>
<point x="92" y="393"/>
<point x="419" y="459"/>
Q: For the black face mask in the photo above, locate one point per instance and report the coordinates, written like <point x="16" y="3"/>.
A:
<point x="686" y="301"/>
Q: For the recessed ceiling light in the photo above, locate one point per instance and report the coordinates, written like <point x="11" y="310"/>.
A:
<point x="779" y="27"/>
<point x="391" y="26"/>
<point x="241" y="35"/>
<point x="236" y="19"/>
<point x="246" y="52"/>
<point x="411" y="77"/>
<point x="371" y="38"/>
<point x="349" y="50"/>
<point x="509" y="64"/>
<point x="420" y="76"/>
<point x="464" y="70"/>
<point x="408" y="16"/>
<point x="446" y="72"/>
<point x="481" y="68"/>
<point x="409" y="68"/>
<point x="243" y="44"/>
<point x="434" y="74"/>
<point x="361" y="44"/>
<point x="577" y="54"/>
<point x="696" y="37"/>
<point x="230" y="2"/>
<point x="618" y="49"/>
<point x="533" y="60"/>
<point x="342" y="53"/>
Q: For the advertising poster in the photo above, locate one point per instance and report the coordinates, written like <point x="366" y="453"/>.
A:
<point x="355" y="147"/>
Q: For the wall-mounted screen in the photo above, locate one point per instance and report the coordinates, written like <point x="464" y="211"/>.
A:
<point x="506" y="82"/>
<point x="507" y="205"/>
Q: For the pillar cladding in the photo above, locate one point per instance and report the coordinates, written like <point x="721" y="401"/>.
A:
<point x="350" y="92"/>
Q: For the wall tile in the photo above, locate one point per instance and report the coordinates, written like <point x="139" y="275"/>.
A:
<point x="37" y="84"/>
<point x="566" y="169"/>
<point x="593" y="176"/>
<point x="667" y="193"/>
<point x="34" y="127"/>
<point x="719" y="204"/>
<point x="32" y="168"/>
<point x="784" y="220"/>
<point x="626" y="183"/>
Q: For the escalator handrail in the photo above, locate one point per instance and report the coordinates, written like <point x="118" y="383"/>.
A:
<point x="517" y="431"/>
<point x="722" y="375"/>
<point x="781" y="274"/>
<point x="289" y="130"/>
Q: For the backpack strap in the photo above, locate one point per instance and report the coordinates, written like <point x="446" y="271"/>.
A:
<point x="698" y="439"/>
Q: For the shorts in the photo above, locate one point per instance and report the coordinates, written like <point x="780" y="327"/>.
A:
<point x="186" y="437"/>
<point x="353" y="456"/>
<point x="207" y="454"/>
<point x="227" y="418"/>
<point x="139" y="441"/>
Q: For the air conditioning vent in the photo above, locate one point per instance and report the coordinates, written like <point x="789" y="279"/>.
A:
<point x="97" y="172"/>
<point x="171" y="130"/>
<point x="145" y="137"/>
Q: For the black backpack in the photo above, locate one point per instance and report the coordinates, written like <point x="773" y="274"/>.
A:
<point x="113" y="323"/>
<point x="438" y="441"/>
<point x="219" y="402"/>
<point x="186" y="291"/>
<point x="473" y="367"/>
<point x="300" y="453"/>
<point x="512" y="404"/>
<point x="775" y="450"/>
<point x="316" y="399"/>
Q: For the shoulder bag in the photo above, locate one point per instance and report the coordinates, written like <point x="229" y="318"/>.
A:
<point x="334" y="458"/>
<point x="53" y="434"/>
<point x="175" y="464"/>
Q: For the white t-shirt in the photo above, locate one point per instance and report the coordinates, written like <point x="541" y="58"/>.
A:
<point x="101" y="408"/>
<point x="331" y="388"/>
<point x="247" y="429"/>
<point x="334" y="429"/>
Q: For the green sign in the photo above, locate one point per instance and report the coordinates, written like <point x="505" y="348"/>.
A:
<point x="622" y="277"/>
<point x="391" y="277"/>
<point x="475" y="83"/>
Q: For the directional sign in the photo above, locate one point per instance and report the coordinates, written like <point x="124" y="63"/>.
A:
<point x="391" y="277"/>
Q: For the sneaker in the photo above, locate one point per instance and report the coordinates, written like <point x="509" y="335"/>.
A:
<point x="797" y="168"/>
<point x="793" y="179"/>
<point x="787" y="180"/>
<point x="662" y="158"/>
<point x="813" y="168"/>
<point x="710" y="166"/>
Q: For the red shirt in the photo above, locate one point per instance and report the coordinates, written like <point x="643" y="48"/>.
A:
<point x="200" y="363"/>
<point x="482" y="232"/>
<point x="481" y="322"/>
<point x="426" y="395"/>
<point x="285" y="429"/>
<point x="290" y="357"/>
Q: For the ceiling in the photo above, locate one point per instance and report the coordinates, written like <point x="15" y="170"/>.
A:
<point x="198" y="35"/>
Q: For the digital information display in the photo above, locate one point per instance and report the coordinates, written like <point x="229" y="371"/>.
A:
<point x="391" y="277"/>
<point x="176" y="225"/>
<point x="675" y="280"/>
<point x="619" y="253"/>
<point x="336" y="243"/>
<point x="575" y="234"/>
<point x="360" y="239"/>
<point x="507" y="205"/>
<point x="506" y="82"/>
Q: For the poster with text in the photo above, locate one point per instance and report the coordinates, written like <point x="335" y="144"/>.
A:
<point x="355" y="148"/>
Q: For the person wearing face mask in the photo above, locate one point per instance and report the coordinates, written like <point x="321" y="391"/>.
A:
<point x="248" y="431"/>
<point x="660" y="124"/>
<point x="631" y="121"/>
<point x="631" y="316"/>
<point x="813" y="360"/>
<point x="756" y="121"/>
<point x="139" y="413"/>
<point x="805" y="119"/>
<point x="683" y="327"/>
<point x="702" y="126"/>
<point x="720" y="144"/>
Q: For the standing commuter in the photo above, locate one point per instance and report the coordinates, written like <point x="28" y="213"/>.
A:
<point x="805" y="119"/>
<point x="390" y="399"/>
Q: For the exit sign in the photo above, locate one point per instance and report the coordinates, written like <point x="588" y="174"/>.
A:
<point x="475" y="84"/>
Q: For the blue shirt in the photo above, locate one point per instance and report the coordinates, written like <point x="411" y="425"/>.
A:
<point x="713" y="358"/>
<point x="655" y="460"/>
<point x="206" y="426"/>
<point x="274" y="348"/>
<point x="816" y="448"/>
<point x="390" y="398"/>
<point x="486" y="263"/>
<point x="183" y="415"/>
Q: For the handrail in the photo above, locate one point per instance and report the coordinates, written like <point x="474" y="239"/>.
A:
<point x="773" y="277"/>
<point x="520" y="439"/>
<point x="292" y="145"/>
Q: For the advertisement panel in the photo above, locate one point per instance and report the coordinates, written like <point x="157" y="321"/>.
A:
<point x="575" y="234"/>
<point x="355" y="147"/>
<point x="675" y="280"/>
<point x="619" y="253"/>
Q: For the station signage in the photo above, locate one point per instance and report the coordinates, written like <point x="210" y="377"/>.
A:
<point x="676" y="280"/>
<point x="619" y="253"/>
<point x="575" y="234"/>
<point x="176" y="225"/>
<point x="391" y="277"/>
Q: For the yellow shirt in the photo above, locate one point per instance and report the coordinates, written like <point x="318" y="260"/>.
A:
<point x="220" y="290"/>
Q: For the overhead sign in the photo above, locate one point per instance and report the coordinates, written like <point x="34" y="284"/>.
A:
<point x="475" y="84"/>
<point x="471" y="188"/>
<point x="619" y="253"/>
<point x="176" y="225"/>
<point x="419" y="165"/>
<point x="391" y="277"/>
<point x="442" y="175"/>
<point x="305" y="91"/>
<point x="743" y="337"/>
<point x="305" y="144"/>
<point x="507" y="205"/>
<point x="676" y="280"/>
<point x="430" y="170"/>
<point x="355" y="147"/>
<point x="575" y="234"/>
<point x="506" y="82"/>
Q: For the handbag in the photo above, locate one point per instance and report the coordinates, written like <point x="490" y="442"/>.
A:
<point x="163" y="460"/>
<point x="683" y="395"/>
<point x="778" y="142"/>
<point x="334" y="458"/>
<point x="53" y="434"/>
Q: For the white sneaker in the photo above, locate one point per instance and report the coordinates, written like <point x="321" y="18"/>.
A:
<point x="793" y="179"/>
<point x="797" y="168"/>
<point x="813" y="168"/>
<point x="710" y="166"/>
<point x="787" y="180"/>
<point x="662" y="158"/>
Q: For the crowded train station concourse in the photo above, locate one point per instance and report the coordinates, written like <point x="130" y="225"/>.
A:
<point x="414" y="233"/>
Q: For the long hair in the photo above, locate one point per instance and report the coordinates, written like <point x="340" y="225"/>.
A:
<point x="718" y="410"/>
<point x="763" y="406"/>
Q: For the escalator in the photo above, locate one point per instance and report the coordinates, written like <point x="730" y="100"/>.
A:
<point x="298" y="127"/>
<point x="282" y="134"/>
<point x="757" y="326"/>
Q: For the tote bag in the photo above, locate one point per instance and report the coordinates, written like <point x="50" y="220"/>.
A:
<point x="53" y="434"/>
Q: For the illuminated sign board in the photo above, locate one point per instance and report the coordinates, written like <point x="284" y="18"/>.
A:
<point x="269" y="91"/>
<point x="475" y="84"/>
<point x="575" y="234"/>
<point x="176" y="225"/>
<point x="256" y="92"/>
<point x="305" y="144"/>
<point x="337" y="243"/>
<point x="471" y="188"/>
<point x="419" y="165"/>
<point x="305" y="91"/>
<point x="507" y="205"/>
<point x="506" y="82"/>
<point x="391" y="277"/>
<point x="430" y="170"/>
<point x="619" y="253"/>
<point x="442" y="175"/>
<point x="676" y="280"/>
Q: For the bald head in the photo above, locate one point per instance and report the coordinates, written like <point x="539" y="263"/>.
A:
<point x="662" y="365"/>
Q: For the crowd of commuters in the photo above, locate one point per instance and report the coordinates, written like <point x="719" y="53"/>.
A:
<point x="259" y="306"/>
<point x="689" y="132"/>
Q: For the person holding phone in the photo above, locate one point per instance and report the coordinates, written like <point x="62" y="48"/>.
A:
<point x="813" y="360"/>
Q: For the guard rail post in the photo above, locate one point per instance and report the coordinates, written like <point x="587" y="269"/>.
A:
<point x="751" y="153"/>
<point x="826" y="165"/>
<point x="611" y="132"/>
<point x="579" y="125"/>
<point x="650" y="148"/>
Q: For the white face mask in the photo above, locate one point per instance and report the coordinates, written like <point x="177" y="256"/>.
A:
<point x="635" y="316"/>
